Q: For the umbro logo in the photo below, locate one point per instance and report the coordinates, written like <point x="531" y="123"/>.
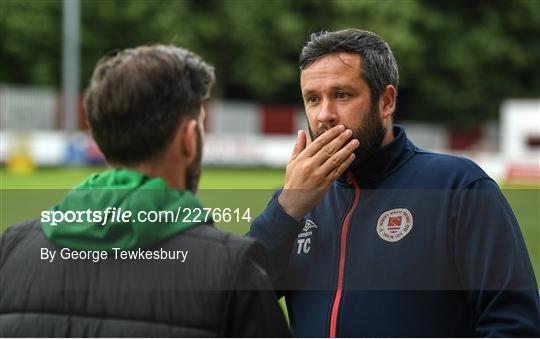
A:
<point x="304" y="238"/>
<point x="308" y="225"/>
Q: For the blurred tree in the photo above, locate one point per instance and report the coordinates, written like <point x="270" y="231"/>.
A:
<point x="475" y="55"/>
<point x="458" y="60"/>
<point x="30" y="40"/>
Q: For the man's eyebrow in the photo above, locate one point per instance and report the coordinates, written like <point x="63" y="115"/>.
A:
<point x="342" y="87"/>
<point x="333" y="88"/>
<point x="308" y="92"/>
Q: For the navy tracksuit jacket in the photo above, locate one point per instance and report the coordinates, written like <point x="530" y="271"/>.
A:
<point x="411" y="243"/>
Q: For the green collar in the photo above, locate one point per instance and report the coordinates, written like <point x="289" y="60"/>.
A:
<point x="121" y="191"/>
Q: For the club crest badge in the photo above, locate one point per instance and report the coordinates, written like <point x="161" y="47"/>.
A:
<point x="394" y="224"/>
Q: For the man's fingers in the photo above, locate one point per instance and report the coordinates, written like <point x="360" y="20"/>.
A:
<point x="332" y="147"/>
<point x="309" y="141"/>
<point x="340" y="156"/>
<point x="336" y="172"/>
<point x="300" y="144"/>
<point x="323" y="139"/>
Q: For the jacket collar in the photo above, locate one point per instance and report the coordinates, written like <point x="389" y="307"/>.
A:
<point x="385" y="161"/>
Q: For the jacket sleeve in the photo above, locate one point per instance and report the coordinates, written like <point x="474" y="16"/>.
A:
<point x="277" y="231"/>
<point x="253" y="309"/>
<point x="493" y="264"/>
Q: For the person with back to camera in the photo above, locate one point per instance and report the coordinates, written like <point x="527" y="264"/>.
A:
<point x="146" y="108"/>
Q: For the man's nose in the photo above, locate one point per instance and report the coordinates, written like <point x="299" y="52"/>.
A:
<point x="328" y="113"/>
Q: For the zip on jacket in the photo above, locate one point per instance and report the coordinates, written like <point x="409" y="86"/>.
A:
<point x="342" y="254"/>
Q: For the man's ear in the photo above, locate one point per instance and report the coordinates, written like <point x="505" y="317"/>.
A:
<point x="387" y="101"/>
<point x="188" y="139"/>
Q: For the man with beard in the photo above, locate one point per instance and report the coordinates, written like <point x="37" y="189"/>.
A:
<point x="146" y="108"/>
<point x="407" y="242"/>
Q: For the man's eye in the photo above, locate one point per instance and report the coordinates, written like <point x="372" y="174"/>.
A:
<point x="341" y="95"/>
<point x="312" y="99"/>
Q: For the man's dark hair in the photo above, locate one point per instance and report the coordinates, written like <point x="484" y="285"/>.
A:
<point x="138" y="97"/>
<point x="379" y="67"/>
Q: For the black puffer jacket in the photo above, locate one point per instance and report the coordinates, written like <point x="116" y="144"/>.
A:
<point x="220" y="290"/>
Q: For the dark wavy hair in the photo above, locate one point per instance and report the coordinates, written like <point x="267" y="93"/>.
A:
<point x="137" y="98"/>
